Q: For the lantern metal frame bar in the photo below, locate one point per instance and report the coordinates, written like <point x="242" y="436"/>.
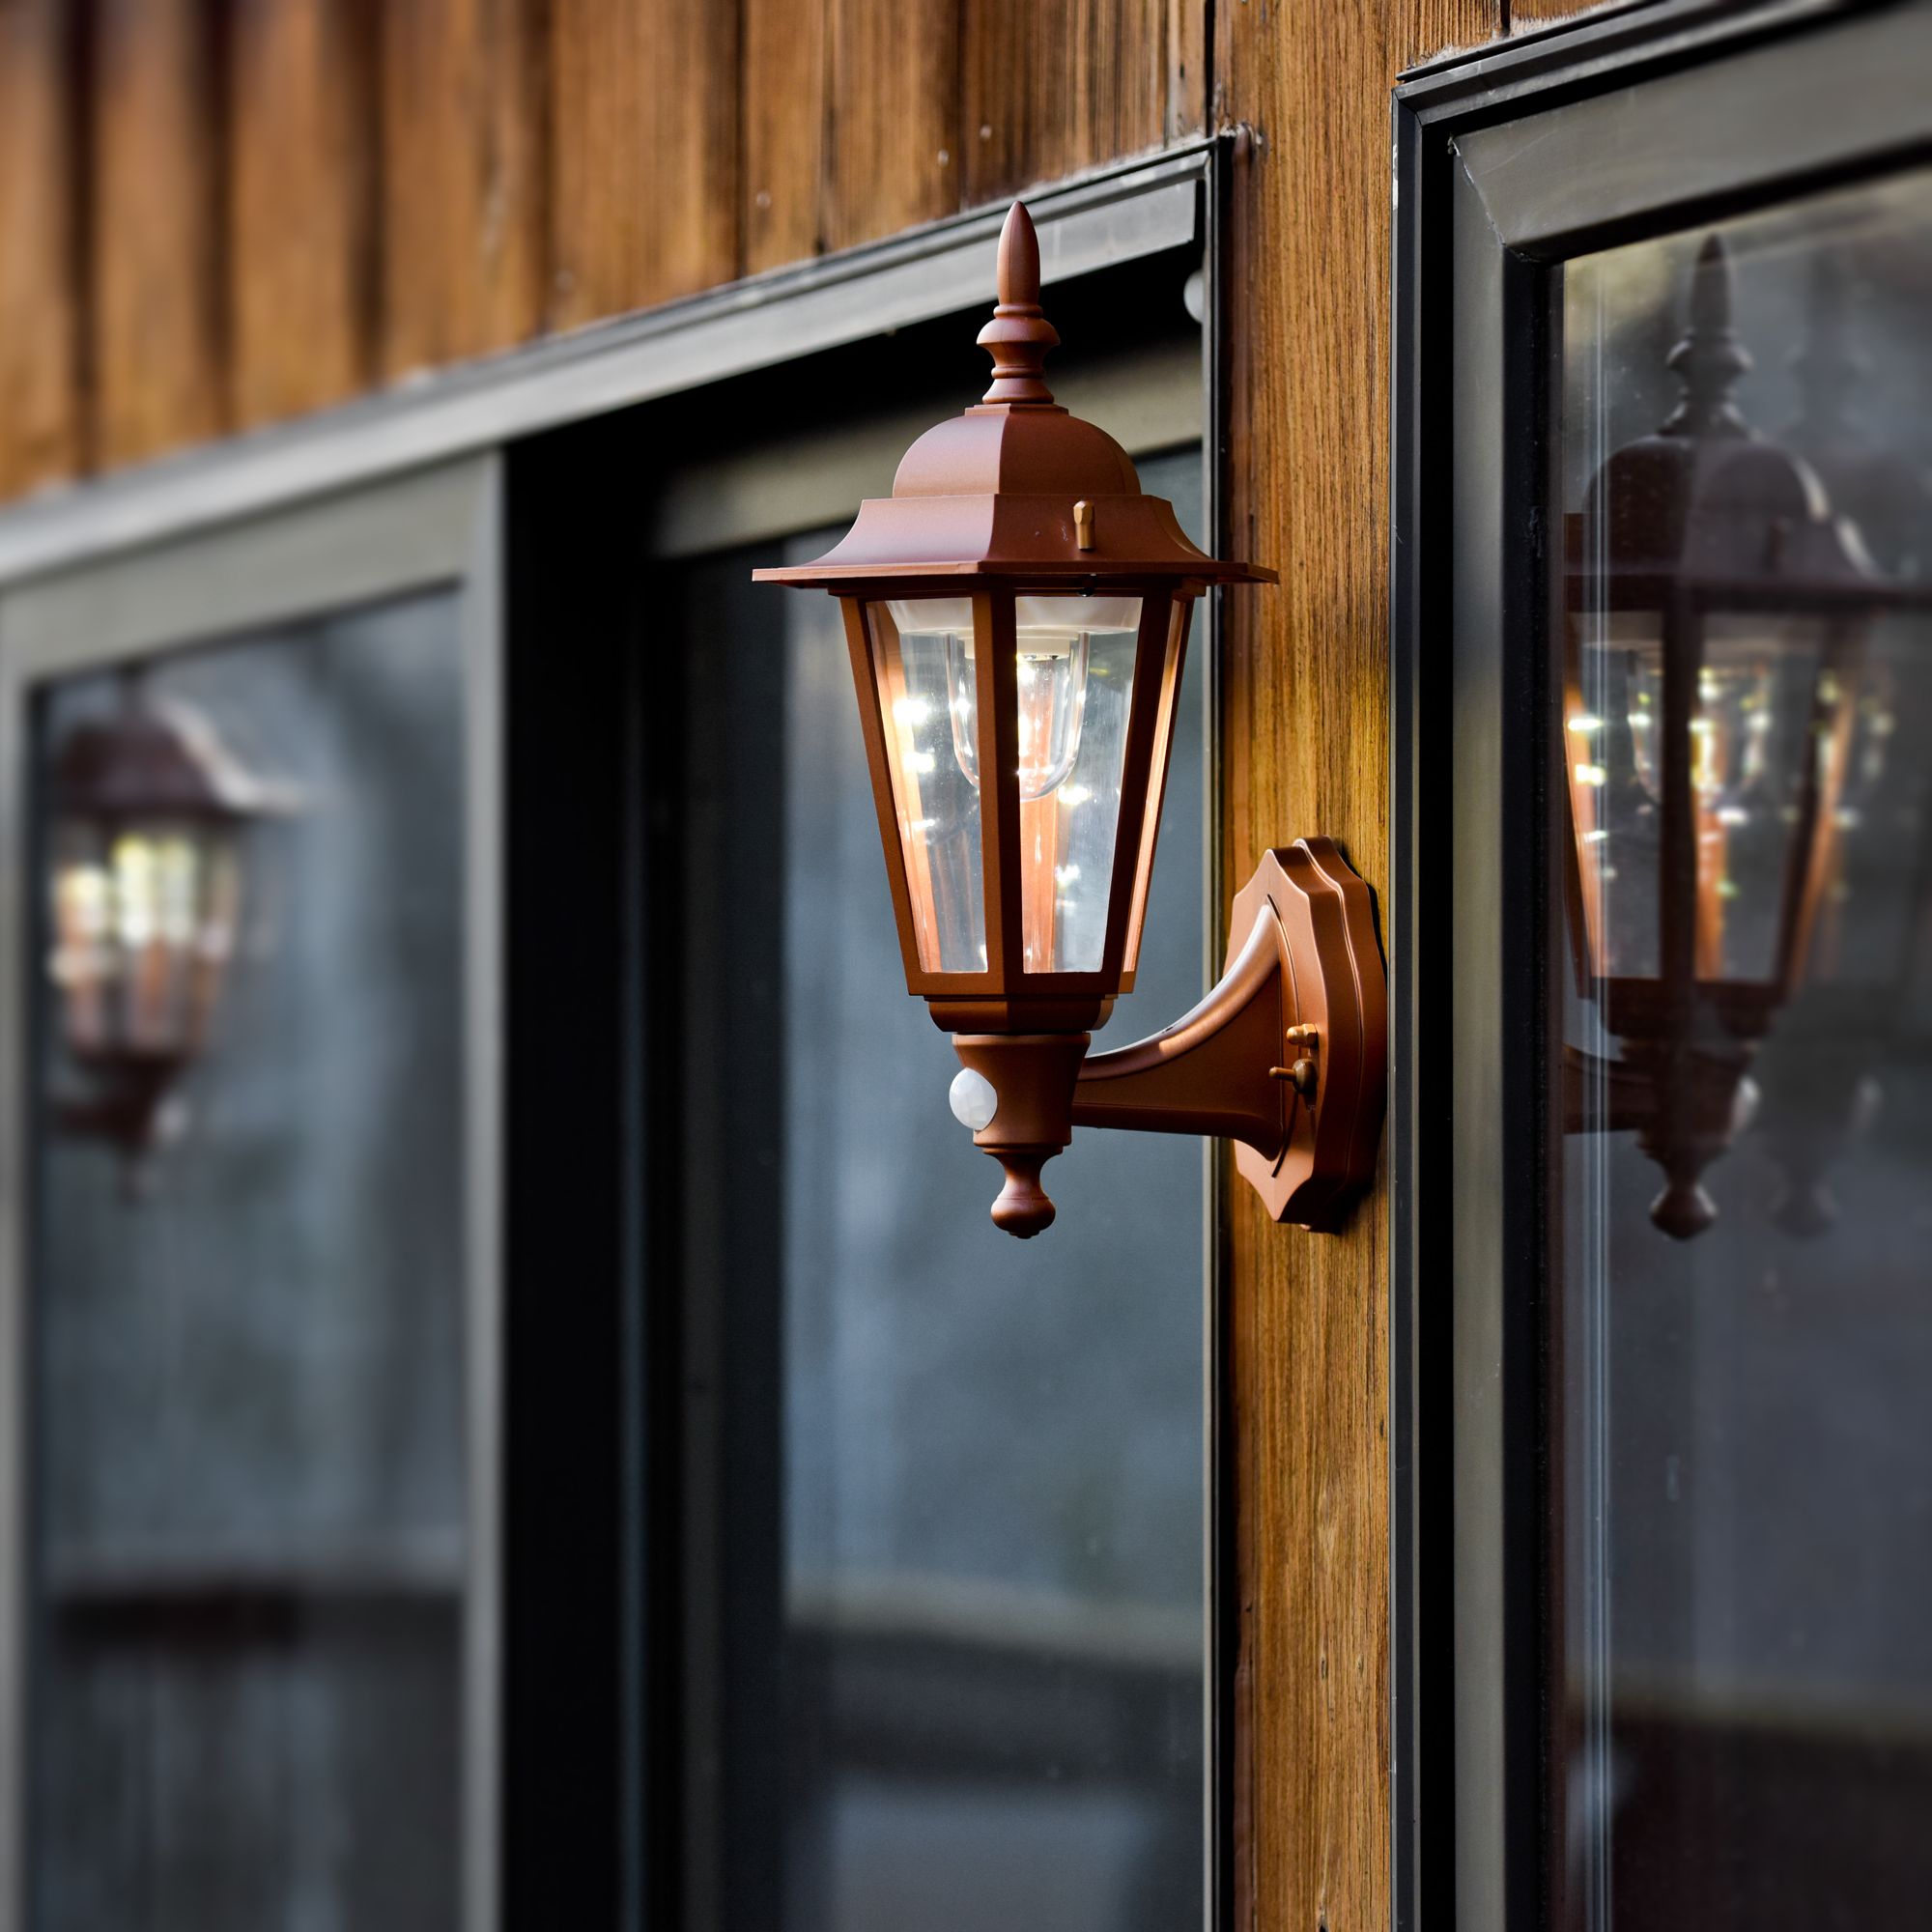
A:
<point x="436" y="529"/>
<point x="1641" y="121"/>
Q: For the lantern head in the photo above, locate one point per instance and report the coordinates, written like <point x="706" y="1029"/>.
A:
<point x="147" y="811"/>
<point x="1017" y="614"/>
<point x="1717" y="613"/>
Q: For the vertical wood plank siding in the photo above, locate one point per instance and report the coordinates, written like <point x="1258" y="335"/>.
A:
<point x="300" y="218"/>
<point x="643" y="152"/>
<point x="465" y="259"/>
<point x="1306" y="683"/>
<point x="891" y="117"/>
<point x="1520" y="14"/>
<point x="158" y="327"/>
<point x="785" y="114"/>
<point x="219" y="213"/>
<point x="1053" y="86"/>
<point x="40" y="312"/>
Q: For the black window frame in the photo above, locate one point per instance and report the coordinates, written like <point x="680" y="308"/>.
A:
<point x="613" y="1458"/>
<point x="1478" y="245"/>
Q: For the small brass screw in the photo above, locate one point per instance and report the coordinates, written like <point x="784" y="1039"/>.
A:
<point x="1302" y="1075"/>
<point x="1311" y="1034"/>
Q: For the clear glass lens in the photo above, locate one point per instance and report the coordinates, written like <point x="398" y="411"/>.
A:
<point x="1073" y="682"/>
<point x="935" y="798"/>
<point x="1067" y="838"/>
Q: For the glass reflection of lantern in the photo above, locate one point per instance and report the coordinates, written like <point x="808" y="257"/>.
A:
<point x="1821" y="1077"/>
<point x="1017" y="615"/>
<point x="1716" y="614"/>
<point x="147" y="811"/>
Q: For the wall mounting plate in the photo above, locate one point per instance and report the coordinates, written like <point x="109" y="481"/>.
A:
<point x="1287" y="1056"/>
<point x="1332" y="983"/>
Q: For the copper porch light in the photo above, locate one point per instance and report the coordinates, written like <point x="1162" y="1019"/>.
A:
<point x="1717" y="612"/>
<point x="1017" y="615"/>
<point x="147" y="811"/>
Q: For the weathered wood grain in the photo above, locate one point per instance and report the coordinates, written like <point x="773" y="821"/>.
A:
<point x="300" y="159"/>
<point x="1519" y="14"/>
<point x="1306" y="696"/>
<point x="464" y="177"/>
<point x="157" y="342"/>
<point x="784" y="85"/>
<point x="39" y="396"/>
<point x="643" y="152"/>
<point x="892" y="126"/>
<point x="1187" y="75"/>
<point x="1053" y="86"/>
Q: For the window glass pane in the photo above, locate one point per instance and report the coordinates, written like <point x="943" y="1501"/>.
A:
<point x="249" y="1478"/>
<point x="1742" y="1455"/>
<point x="955" y="1595"/>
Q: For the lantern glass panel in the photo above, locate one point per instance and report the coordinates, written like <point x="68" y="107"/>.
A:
<point x="934" y="800"/>
<point x="144" y="916"/>
<point x="1174" y="666"/>
<point x="1073" y="690"/>
<point x="1764" y="756"/>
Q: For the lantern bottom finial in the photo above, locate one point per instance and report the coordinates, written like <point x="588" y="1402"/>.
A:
<point x="1023" y="1209"/>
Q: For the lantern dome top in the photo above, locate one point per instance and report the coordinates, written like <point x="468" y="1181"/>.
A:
<point x="1016" y="486"/>
<point x="1705" y="504"/>
<point x="155" y="760"/>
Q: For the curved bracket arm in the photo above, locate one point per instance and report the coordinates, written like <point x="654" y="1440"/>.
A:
<point x="1287" y="1057"/>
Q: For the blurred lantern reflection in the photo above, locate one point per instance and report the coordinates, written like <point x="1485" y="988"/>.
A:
<point x="148" y="813"/>
<point x="1719" y="613"/>
<point x="1822" y="1084"/>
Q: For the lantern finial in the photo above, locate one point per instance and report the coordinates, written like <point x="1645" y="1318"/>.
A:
<point x="1019" y="336"/>
<point x="1710" y="357"/>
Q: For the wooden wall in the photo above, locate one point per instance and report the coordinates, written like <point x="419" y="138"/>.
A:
<point x="215" y="214"/>
<point x="1306" y="743"/>
<point x="218" y="212"/>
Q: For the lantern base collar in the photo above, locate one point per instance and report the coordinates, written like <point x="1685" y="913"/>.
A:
<point x="1287" y="1057"/>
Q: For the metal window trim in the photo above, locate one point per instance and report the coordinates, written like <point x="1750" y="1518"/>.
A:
<point x="1477" y="253"/>
<point x="1111" y="215"/>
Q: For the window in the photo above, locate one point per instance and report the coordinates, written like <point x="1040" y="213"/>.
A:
<point x="1740" y="1462"/>
<point x="1662" y="1453"/>
<point x="943" y="1613"/>
<point x="387" y="1559"/>
<point x="257" y="1581"/>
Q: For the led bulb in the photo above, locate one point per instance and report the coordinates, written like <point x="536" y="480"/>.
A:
<point x="1050" y="687"/>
